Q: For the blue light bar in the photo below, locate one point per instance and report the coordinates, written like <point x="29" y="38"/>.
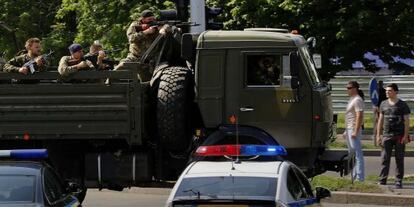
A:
<point x="264" y="150"/>
<point x="25" y="153"/>
<point x="241" y="150"/>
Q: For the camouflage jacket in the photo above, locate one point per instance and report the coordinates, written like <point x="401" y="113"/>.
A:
<point x="16" y="63"/>
<point x="2" y="62"/>
<point x="67" y="66"/>
<point x="138" y="41"/>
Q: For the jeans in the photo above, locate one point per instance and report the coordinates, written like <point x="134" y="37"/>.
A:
<point x="388" y="145"/>
<point x="354" y="144"/>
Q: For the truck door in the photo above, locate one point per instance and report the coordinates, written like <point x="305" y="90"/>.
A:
<point x="268" y="99"/>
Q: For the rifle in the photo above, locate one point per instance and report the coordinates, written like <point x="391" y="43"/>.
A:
<point x="94" y="58"/>
<point x="73" y="62"/>
<point x="32" y="65"/>
<point x="176" y="23"/>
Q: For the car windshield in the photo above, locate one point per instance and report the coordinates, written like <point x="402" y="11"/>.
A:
<point x="17" y="188"/>
<point x="227" y="187"/>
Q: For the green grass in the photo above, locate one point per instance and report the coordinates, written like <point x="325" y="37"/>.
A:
<point x="340" y="143"/>
<point x="344" y="184"/>
<point x="368" y="122"/>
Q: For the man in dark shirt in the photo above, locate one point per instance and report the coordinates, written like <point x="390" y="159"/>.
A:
<point x="394" y="120"/>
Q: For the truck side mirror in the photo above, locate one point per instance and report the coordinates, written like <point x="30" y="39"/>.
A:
<point x="311" y="41"/>
<point x="294" y="69"/>
<point x="188" y="47"/>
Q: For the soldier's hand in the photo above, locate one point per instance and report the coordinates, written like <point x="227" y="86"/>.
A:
<point x="101" y="55"/>
<point x="165" y="29"/>
<point x="39" y="61"/>
<point x="150" y="30"/>
<point x="24" y="70"/>
<point x="82" y="65"/>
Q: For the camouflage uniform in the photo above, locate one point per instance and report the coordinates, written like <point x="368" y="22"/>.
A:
<point x="138" y="41"/>
<point x="2" y="62"/>
<point x="138" y="44"/>
<point x="16" y="63"/>
<point x="66" y="67"/>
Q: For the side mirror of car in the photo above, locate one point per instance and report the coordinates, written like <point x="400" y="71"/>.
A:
<point x="73" y="187"/>
<point x="322" y="193"/>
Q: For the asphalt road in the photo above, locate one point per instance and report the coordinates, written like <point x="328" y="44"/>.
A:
<point x="153" y="198"/>
<point x="123" y="199"/>
<point x="130" y="199"/>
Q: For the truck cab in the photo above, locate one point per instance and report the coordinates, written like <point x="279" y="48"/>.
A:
<point x="267" y="79"/>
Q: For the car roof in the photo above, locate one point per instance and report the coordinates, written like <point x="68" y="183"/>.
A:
<point x="227" y="168"/>
<point x="20" y="167"/>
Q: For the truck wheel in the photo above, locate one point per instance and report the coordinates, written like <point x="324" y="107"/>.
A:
<point x="174" y="98"/>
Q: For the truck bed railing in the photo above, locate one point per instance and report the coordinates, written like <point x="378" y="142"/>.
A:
<point x="81" y="75"/>
<point x="71" y="110"/>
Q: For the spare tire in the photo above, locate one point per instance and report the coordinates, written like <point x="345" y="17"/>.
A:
<point x="174" y="97"/>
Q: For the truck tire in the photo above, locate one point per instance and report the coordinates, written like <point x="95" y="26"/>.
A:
<point x="174" y="97"/>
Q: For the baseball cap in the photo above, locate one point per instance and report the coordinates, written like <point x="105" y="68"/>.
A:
<point x="147" y="13"/>
<point x="75" y="47"/>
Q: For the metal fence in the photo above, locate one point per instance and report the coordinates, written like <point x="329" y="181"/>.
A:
<point x="340" y="97"/>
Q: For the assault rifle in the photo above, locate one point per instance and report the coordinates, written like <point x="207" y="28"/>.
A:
<point x="32" y="65"/>
<point x="176" y="23"/>
<point x="94" y="58"/>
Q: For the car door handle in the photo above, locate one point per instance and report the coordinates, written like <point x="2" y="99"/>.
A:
<point x="246" y="109"/>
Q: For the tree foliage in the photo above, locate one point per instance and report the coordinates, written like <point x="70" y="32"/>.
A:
<point x="346" y="29"/>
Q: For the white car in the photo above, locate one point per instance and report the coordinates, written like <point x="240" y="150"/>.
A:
<point x="243" y="181"/>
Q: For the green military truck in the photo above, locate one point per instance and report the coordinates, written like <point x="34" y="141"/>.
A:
<point x="136" y="130"/>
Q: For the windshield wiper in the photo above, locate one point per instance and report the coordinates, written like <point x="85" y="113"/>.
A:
<point x="195" y="192"/>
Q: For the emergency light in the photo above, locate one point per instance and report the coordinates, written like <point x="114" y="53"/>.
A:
<point x="241" y="150"/>
<point x="24" y="153"/>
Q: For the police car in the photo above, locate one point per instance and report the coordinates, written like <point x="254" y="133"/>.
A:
<point x="24" y="182"/>
<point x="243" y="180"/>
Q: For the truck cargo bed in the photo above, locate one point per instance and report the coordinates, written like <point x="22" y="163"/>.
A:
<point x="71" y="109"/>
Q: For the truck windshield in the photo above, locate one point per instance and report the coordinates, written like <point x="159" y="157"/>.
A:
<point x="16" y="188"/>
<point x="227" y="187"/>
<point x="310" y="66"/>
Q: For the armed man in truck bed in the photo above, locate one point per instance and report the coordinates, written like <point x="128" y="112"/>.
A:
<point x="16" y="64"/>
<point x="75" y="62"/>
<point x="140" y="35"/>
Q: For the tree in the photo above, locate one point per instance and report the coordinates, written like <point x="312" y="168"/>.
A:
<point x="27" y="18"/>
<point x="346" y="29"/>
<point x="84" y="21"/>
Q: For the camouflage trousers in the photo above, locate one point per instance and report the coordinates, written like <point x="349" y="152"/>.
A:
<point x="132" y="62"/>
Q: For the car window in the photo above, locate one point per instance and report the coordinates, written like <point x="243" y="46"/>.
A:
<point x="294" y="186"/>
<point x="298" y="185"/>
<point x="305" y="183"/>
<point x="263" y="70"/>
<point x="17" y="188"/>
<point x="261" y="188"/>
<point x="53" y="186"/>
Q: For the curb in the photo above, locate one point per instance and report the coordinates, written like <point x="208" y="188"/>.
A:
<point x="370" y="199"/>
<point x="376" y="153"/>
